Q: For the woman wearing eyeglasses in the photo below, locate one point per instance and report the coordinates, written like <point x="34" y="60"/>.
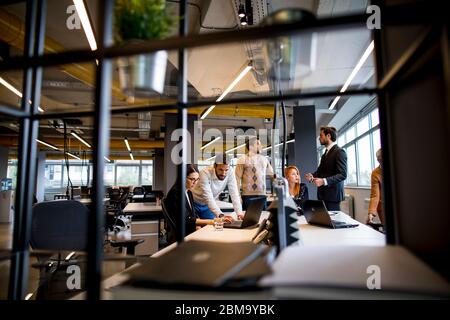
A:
<point x="172" y="204"/>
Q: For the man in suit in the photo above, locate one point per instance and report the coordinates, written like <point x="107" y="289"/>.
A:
<point x="332" y="171"/>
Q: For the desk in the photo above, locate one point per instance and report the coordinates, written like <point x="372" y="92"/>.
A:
<point x="144" y="225"/>
<point x="318" y="236"/>
<point x="88" y="201"/>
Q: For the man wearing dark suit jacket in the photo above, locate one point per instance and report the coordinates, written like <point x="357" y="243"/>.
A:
<point x="332" y="171"/>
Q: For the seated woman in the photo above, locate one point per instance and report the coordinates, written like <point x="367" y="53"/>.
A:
<point x="193" y="222"/>
<point x="297" y="190"/>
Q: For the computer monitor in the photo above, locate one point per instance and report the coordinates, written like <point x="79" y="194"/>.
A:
<point x="147" y="188"/>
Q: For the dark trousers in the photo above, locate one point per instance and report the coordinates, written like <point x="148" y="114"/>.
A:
<point x="333" y="206"/>
<point x="247" y="199"/>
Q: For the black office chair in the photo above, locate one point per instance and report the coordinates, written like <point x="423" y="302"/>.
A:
<point x="138" y="191"/>
<point x="170" y="225"/>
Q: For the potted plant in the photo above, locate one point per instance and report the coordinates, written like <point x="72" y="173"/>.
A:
<point x="141" y="20"/>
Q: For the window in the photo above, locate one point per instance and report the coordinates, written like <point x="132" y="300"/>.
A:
<point x="127" y="175"/>
<point x="12" y="172"/>
<point x="362" y="126"/>
<point x="364" y="161"/>
<point x="147" y="175"/>
<point x="53" y="174"/>
<point x="108" y="176"/>
<point x="361" y="141"/>
<point x="118" y="173"/>
<point x="351" y="165"/>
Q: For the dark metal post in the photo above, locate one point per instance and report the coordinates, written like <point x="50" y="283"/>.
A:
<point x="26" y="179"/>
<point x="388" y="191"/>
<point x="182" y="124"/>
<point x="101" y="141"/>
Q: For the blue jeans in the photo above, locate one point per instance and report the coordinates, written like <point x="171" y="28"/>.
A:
<point x="203" y="211"/>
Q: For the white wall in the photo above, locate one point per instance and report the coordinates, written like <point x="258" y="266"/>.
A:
<point x="360" y="204"/>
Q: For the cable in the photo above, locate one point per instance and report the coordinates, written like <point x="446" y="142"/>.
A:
<point x="201" y="15"/>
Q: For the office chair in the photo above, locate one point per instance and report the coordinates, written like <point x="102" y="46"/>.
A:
<point x="170" y="225"/>
<point x="62" y="226"/>
<point x="138" y="191"/>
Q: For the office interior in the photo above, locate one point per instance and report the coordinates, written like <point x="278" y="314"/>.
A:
<point x="70" y="132"/>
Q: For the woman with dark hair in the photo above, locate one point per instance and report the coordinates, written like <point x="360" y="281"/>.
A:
<point x="297" y="190"/>
<point x="172" y="202"/>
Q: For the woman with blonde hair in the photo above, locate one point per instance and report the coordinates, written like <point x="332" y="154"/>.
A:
<point x="297" y="190"/>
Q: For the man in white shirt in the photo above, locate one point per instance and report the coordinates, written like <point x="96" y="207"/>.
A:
<point x="251" y="171"/>
<point x="213" y="181"/>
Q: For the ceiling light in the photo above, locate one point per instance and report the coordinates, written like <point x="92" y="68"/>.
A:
<point x="82" y="14"/>
<point x="228" y="89"/>
<point x="73" y="156"/>
<point x="80" y="138"/>
<point x="241" y="12"/>
<point x="127" y="144"/>
<point x="69" y="256"/>
<point x="358" y="66"/>
<point x="107" y="159"/>
<point x="28" y="296"/>
<point x="209" y="143"/>
<point x="11" y="88"/>
<point x="131" y="156"/>
<point x="277" y="145"/>
<point x="244" y="21"/>
<point x="235" y="148"/>
<point x="209" y="159"/>
<point x="47" y="144"/>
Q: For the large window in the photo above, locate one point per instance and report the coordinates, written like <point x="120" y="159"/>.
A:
<point x="117" y="173"/>
<point x="12" y="172"/>
<point x="361" y="142"/>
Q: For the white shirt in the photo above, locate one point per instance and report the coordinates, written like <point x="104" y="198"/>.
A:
<point x="209" y="187"/>
<point x="325" y="183"/>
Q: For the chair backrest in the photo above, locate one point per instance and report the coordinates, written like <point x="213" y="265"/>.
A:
<point x="138" y="190"/>
<point x="172" y="229"/>
<point x="59" y="225"/>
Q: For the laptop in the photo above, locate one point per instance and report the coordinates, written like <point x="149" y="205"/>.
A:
<point x="251" y="217"/>
<point x="317" y="214"/>
<point x="197" y="263"/>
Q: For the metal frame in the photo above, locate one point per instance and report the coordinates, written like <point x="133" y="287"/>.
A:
<point x="33" y="61"/>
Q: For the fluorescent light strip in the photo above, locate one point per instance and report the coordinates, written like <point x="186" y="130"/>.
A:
<point x="11" y="88"/>
<point x="209" y="143"/>
<point x="127" y="144"/>
<point x="82" y="14"/>
<point x="209" y="159"/>
<point x="354" y="72"/>
<point x="131" y="156"/>
<point x="47" y="144"/>
<point x="277" y="145"/>
<point x="207" y="112"/>
<point x="70" y="255"/>
<point x="80" y="138"/>
<point x="107" y="159"/>
<point x="232" y="149"/>
<point x="28" y="296"/>
<point x="73" y="156"/>
<point x="228" y="89"/>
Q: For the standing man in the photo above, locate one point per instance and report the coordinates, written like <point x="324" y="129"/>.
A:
<point x="332" y="171"/>
<point x="213" y="181"/>
<point x="251" y="171"/>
